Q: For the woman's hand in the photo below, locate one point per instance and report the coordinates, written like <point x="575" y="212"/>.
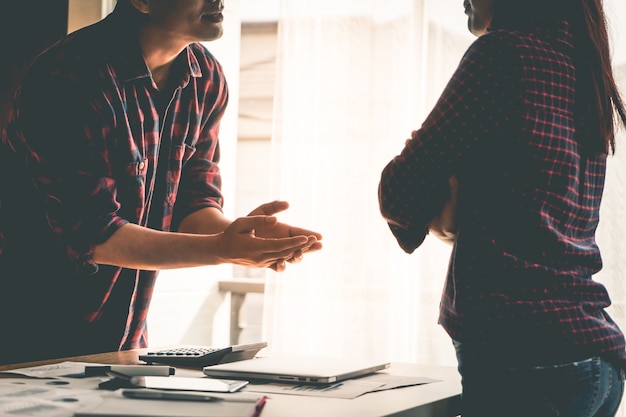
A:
<point x="444" y="225"/>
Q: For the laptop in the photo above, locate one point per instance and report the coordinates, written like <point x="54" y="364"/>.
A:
<point x="296" y="369"/>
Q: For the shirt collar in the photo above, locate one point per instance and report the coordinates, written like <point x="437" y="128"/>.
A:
<point x="558" y="29"/>
<point x="128" y="57"/>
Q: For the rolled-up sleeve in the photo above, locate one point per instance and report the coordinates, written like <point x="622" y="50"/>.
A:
<point x="201" y="181"/>
<point x="472" y="109"/>
<point x="68" y="163"/>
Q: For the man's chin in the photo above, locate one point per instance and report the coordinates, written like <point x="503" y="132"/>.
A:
<point x="215" y="34"/>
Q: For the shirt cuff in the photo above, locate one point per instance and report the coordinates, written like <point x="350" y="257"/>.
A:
<point x="82" y="257"/>
<point x="408" y="239"/>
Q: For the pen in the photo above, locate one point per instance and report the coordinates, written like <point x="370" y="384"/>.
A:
<point x="130" y="370"/>
<point x="259" y="406"/>
<point x="151" y="394"/>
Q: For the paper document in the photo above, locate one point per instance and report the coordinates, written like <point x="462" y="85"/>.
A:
<point x="61" y="369"/>
<point x="63" y="390"/>
<point x="45" y="398"/>
<point x="351" y="388"/>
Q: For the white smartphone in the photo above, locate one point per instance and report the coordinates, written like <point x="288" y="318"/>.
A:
<point x="188" y="383"/>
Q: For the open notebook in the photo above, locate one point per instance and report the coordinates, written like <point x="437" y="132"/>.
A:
<point x="296" y="369"/>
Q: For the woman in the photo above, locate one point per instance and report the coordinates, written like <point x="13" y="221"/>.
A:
<point x="509" y="167"/>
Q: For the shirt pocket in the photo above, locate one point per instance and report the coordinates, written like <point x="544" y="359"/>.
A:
<point x="133" y="190"/>
<point x="179" y="155"/>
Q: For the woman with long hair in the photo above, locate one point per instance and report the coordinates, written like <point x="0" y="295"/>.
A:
<point x="509" y="168"/>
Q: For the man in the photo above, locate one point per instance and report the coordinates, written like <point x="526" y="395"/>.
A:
<point x="109" y="174"/>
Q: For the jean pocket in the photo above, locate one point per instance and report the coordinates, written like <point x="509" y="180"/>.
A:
<point x="570" y="389"/>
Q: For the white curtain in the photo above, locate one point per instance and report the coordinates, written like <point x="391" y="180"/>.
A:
<point x="354" y="78"/>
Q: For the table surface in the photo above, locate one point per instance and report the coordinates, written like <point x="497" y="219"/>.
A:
<point x="436" y="399"/>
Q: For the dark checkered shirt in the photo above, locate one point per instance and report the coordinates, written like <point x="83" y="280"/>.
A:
<point x="520" y="280"/>
<point x="79" y="160"/>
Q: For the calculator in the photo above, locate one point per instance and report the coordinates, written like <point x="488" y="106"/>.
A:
<point x="201" y="356"/>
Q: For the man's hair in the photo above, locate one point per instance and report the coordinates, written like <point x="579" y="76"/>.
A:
<point x="598" y="101"/>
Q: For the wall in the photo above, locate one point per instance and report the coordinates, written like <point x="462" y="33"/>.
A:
<point x="82" y="13"/>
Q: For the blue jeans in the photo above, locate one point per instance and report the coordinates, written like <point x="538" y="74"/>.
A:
<point x="588" y="387"/>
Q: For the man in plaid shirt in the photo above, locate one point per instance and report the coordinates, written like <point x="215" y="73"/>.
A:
<point x="110" y="173"/>
<point x="509" y="167"/>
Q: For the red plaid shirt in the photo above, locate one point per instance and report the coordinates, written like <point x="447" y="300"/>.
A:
<point x="79" y="160"/>
<point x="520" y="276"/>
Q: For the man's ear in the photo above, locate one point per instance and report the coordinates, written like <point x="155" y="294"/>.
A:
<point x="143" y="6"/>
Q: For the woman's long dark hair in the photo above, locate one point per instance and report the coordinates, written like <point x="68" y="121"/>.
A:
<point x="597" y="95"/>
<point x="599" y="105"/>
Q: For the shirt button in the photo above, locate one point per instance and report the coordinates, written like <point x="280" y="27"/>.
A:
<point x="142" y="165"/>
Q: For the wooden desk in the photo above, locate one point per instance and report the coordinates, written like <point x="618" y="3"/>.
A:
<point x="437" y="399"/>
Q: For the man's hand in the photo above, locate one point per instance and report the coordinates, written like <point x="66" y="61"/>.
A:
<point x="282" y="230"/>
<point x="257" y="240"/>
<point x="242" y="244"/>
